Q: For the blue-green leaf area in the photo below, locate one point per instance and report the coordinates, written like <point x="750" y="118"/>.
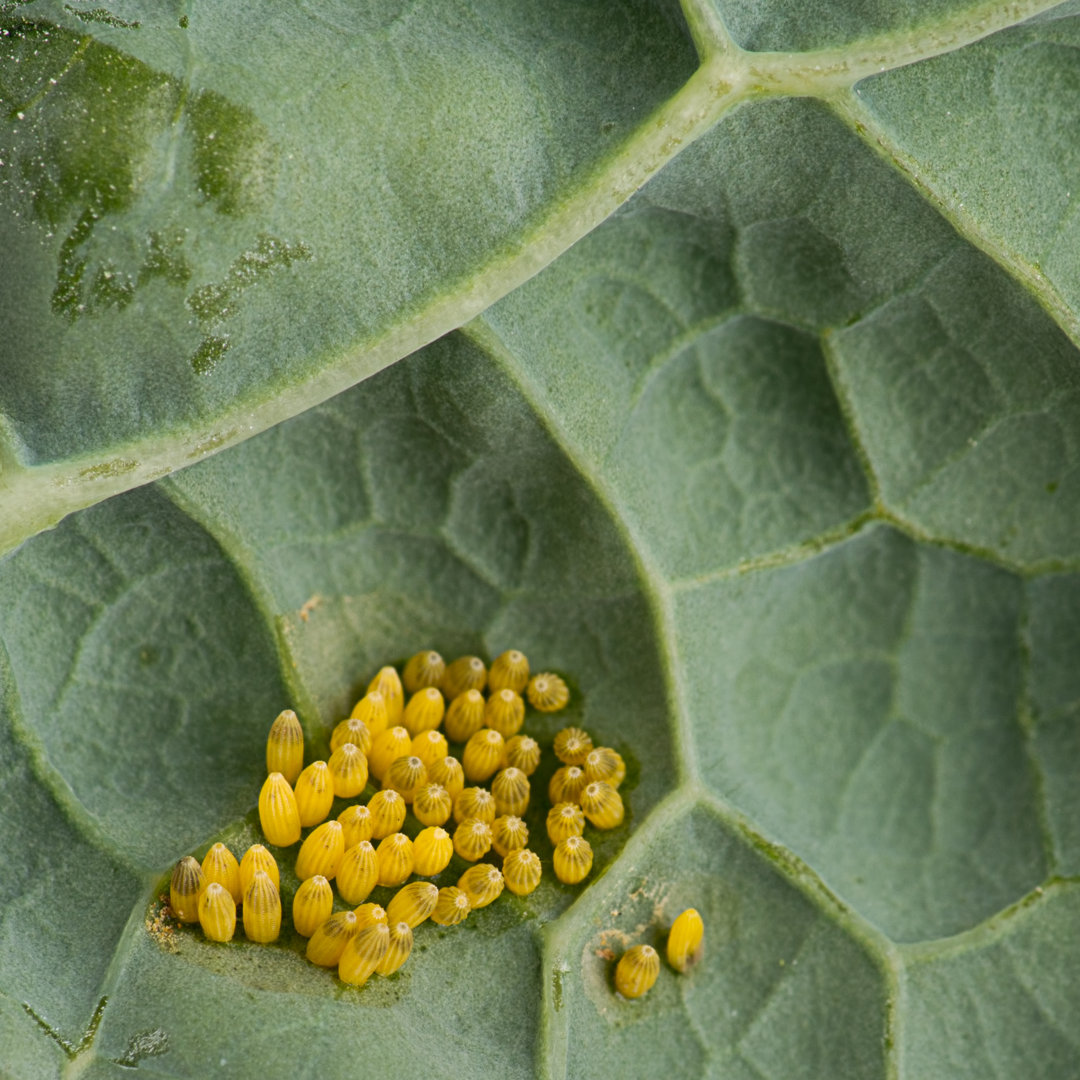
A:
<point x="1052" y="639"/>
<point x="888" y="754"/>
<point x="966" y="442"/>
<point x="129" y="689"/>
<point x="64" y="901"/>
<point x="205" y="211"/>
<point x="771" y="25"/>
<point x="783" y="990"/>
<point x="1001" y="1004"/>
<point x="686" y="362"/>
<point x="989" y="130"/>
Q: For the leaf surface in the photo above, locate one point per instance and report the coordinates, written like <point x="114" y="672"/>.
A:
<point x="775" y="464"/>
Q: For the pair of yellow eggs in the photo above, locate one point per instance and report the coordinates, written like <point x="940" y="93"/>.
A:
<point x="638" y="967"/>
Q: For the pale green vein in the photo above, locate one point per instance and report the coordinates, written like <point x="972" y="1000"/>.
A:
<point x="948" y="203"/>
<point x="987" y="932"/>
<point x="823" y="72"/>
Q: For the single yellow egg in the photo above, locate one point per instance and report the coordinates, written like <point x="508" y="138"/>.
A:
<point x="433" y="849"/>
<point x="424" y="669"/>
<point x="547" y="692"/>
<point x="328" y="942"/>
<point x="465" y="716"/>
<point x="217" y="912"/>
<point x="278" y="812"/>
<point x="464" y="673"/>
<point x="482" y="884"/>
<point x="322" y="851"/>
<point x="453" y="906"/>
<point x="521" y="871"/>
<point x="313" y="904"/>
<point x="358" y="873"/>
<point x="686" y="940"/>
<point x="363" y="953"/>
<point x="314" y="794"/>
<point x="636" y="971"/>
<point x="509" y="671"/>
<point x="186" y="883"/>
<point x="413" y="903"/>
<point x="262" y="909"/>
<point x="220" y="865"/>
<point x="285" y="746"/>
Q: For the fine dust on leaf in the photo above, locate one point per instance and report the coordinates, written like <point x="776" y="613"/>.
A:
<point x="161" y="926"/>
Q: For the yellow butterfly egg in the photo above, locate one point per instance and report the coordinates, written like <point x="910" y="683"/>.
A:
<point x="603" y="763"/>
<point x="424" y="669"/>
<point x="686" y="940"/>
<point x="565" y="819"/>
<point x="572" y="745"/>
<point x="505" y="713"/>
<point x="566" y="784"/>
<point x="387" y="809"/>
<point x="547" y="692"/>
<point x="220" y="865"/>
<point x="363" y="953"/>
<point x="521" y="871"/>
<point x="186" y="883"/>
<point x="322" y="852"/>
<point x="508" y="833"/>
<point x="511" y="791"/>
<point x="472" y="839"/>
<point x="429" y="747"/>
<point x="405" y="775"/>
<point x="217" y="912"/>
<point x="523" y="752"/>
<point x="424" y="712"/>
<point x="413" y="904"/>
<point x="313" y="904"/>
<point x="357" y="824"/>
<point x="484" y="754"/>
<point x="394" y="857"/>
<point x="329" y="940"/>
<point x="371" y="708"/>
<point x="353" y="730"/>
<point x="453" y="906"/>
<point x="509" y="671"/>
<point x="348" y="767"/>
<point x="432" y="851"/>
<point x="258" y="858"/>
<point x="278" y="812"/>
<point x="398" y="948"/>
<point x="465" y="673"/>
<point x="358" y="873"/>
<point x="369" y="915"/>
<point x="262" y="909"/>
<point x="285" y="746"/>
<point x="465" y="716"/>
<point x="636" y="971"/>
<point x="475" y="802"/>
<point x="388" y="683"/>
<point x="314" y="794"/>
<point x="573" y="859"/>
<point x="432" y="805"/>
<point x="448" y="773"/>
<point x="393" y="743"/>
<point x="482" y="884"/>
<point x="602" y="804"/>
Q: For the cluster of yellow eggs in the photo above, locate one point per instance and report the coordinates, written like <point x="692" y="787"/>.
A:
<point x="397" y="736"/>
<point x="639" y="966"/>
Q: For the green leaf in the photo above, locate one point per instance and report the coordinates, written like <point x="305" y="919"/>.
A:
<point x="773" y="458"/>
